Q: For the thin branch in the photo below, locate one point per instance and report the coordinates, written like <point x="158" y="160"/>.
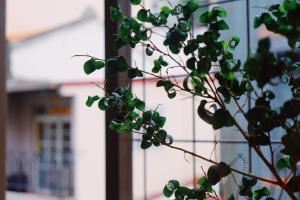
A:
<point x="214" y="162"/>
<point x="267" y="163"/>
<point x="87" y="55"/>
<point x="101" y="88"/>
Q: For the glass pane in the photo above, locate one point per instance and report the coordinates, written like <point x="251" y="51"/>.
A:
<point x="177" y="111"/>
<point x="139" y="157"/>
<point x="237" y="155"/>
<point x="164" y="164"/>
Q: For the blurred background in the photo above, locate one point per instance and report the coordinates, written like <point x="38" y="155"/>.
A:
<point x="55" y="145"/>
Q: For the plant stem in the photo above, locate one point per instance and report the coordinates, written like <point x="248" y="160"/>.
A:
<point x="89" y="56"/>
<point x="267" y="163"/>
<point x="214" y="162"/>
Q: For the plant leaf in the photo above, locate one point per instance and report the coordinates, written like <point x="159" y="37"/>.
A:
<point x="135" y="2"/>
<point x="284" y="163"/>
<point x="91" y="99"/>
<point x="91" y="65"/>
<point x="258" y="194"/>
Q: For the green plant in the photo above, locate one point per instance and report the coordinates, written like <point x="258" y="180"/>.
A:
<point x="220" y="79"/>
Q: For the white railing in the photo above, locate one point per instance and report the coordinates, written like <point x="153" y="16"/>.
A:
<point x="27" y="173"/>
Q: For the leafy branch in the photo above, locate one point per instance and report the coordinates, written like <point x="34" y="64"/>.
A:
<point x="213" y="73"/>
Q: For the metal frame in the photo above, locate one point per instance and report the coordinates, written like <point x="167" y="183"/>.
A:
<point x="194" y="141"/>
<point x="118" y="146"/>
<point x="59" y="144"/>
<point x="2" y="99"/>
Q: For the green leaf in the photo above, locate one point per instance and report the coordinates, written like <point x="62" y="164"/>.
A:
<point x="192" y="5"/>
<point x="166" y="10"/>
<point x="166" y="84"/>
<point x="169" y="140"/>
<point x="213" y="175"/>
<point x="258" y="194"/>
<point x="212" y="16"/>
<point x="204" y="114"/>
<point x="284" y="163"/>
<point x="103" y="103"/>
<point x="134" y="115"/>
<point x="117" y="64"/>
<point x="119" y="127"/>
<point x="139" y="104"/>
<point x="274" y="7"/>
<point x="91" y="65"/>
<point x="162" y="62"/>
<point x="224" y="169"/>
<point x="160" y="121"/>
<point x="205" y="184"/>
<point x="256" y="22"/>
<point x="188" y="9"/>
<point x="221" y="118"/>
<point x="142" y="15"/>
<point x="149" y="51"/>
<point x="219" y="11"/>
<point x="91" y="99"/>
<point x="245" y="191"/>
<point x="235" y="40"/>
<point x="168" y="193"/>
<point x="290" y="5"/>
<point x="203" y="180"/>
<point x="171" y="93"/>
<point x="135" y="2"/>
<point x="119" y="91"/>
<point x="231" y="77"/>
<point x="145" y="144"/>
<point x="219" y="25"/>
<point x="122" y="64"/>
<point x="249" y="181"/>
<point x="170" y="188"/>
<point x="127" y="95"/>
<point x="192" y="45"/>
<point x="116" y="14"/>
<point x="184" y="26"/>
<point x="264" y="44"/>
<point x="291" y="108"/>
<point x="204" y="18"/>
<point x="113" y="125"/>
<point x="157" y="67"/>
<point x="267" y="19"/>
<point x="183" y="192"/>
<point x="147" y="116"/>
<point x="191" y="63"/>
<point x="134" y="72"/>
<point x="185" y="83"/>
<point x="153" y="20"/>
<point x="218" y="171"/>
<point x="231" y="197"/>
<point x="162" y="134"/>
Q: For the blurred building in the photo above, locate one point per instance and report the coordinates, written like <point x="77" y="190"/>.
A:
<point x="54" y="143"/>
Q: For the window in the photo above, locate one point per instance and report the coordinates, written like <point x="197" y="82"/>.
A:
<point x="55" y="156"/>
<point x="153" y="168"/>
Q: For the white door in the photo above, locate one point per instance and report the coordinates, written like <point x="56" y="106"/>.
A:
<point x="55" y="156"/>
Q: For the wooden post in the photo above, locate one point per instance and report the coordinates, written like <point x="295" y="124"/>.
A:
<point x="118" y="146"/>
<point x="2" y="99"/>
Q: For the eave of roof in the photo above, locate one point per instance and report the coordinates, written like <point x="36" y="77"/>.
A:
<point x="25" y="37"/>
<point x="15" y="86"/>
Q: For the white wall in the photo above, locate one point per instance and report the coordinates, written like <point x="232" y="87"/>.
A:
<point x="89" y="143"/>
<point x="48" y="58"/>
